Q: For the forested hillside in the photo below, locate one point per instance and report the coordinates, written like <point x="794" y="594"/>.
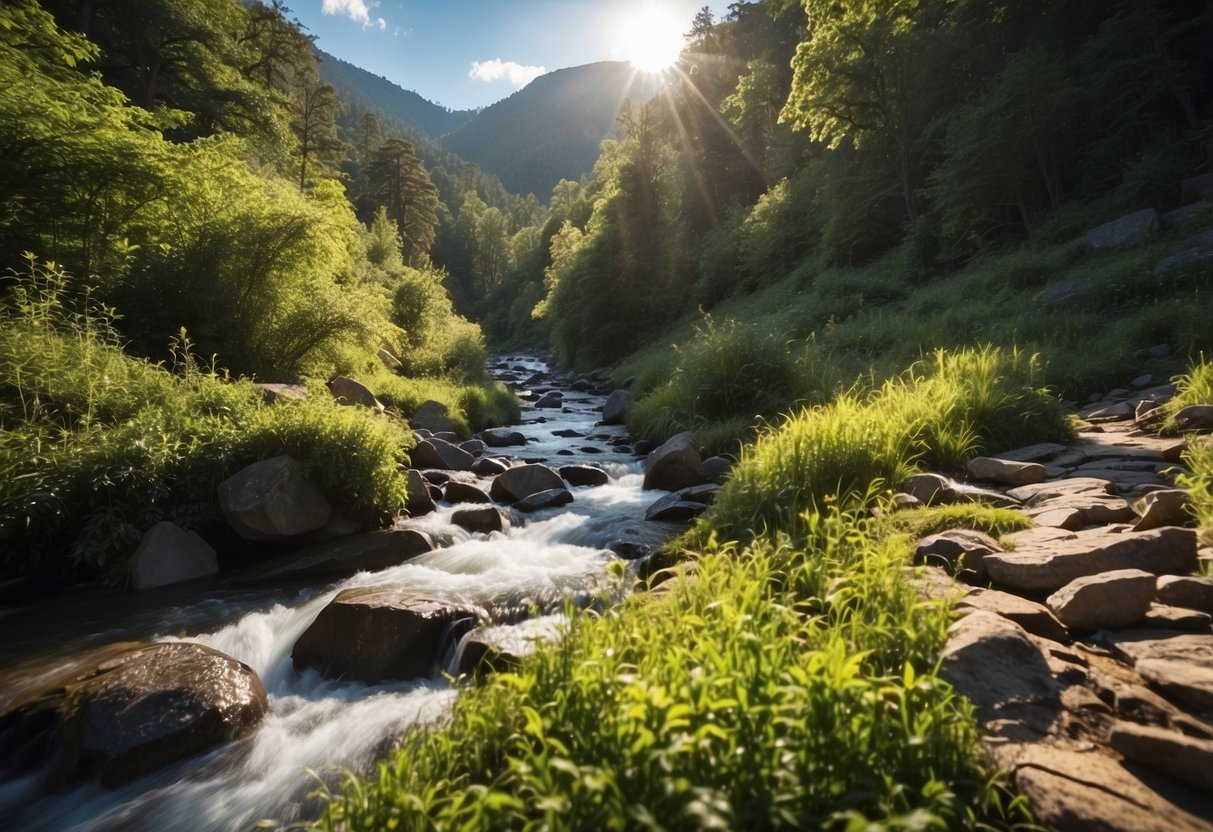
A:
<point x="552" y="128"/>
<point x="366" y="91"/>
<point x="176" y="195"/>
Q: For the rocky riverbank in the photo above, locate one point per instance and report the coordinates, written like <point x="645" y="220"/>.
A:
<point x="1086" y="642"/>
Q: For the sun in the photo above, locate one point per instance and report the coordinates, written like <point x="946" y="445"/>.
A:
<point x="652" y="39"/>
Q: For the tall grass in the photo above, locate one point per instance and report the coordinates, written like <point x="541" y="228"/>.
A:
<point x="1196" y="387"/>
<point x="940" y="412"/>
<point x="96" y="447"/>
<point x="790" y="686"/>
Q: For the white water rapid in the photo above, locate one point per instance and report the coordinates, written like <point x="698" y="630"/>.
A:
<point x="315" y="724"/>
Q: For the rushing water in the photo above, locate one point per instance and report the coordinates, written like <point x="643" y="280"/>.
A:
<point x="315" y="724"/>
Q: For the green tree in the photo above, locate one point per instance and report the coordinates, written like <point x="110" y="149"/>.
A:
<point x="314" y="108"/>
<point x="398" y="182"/>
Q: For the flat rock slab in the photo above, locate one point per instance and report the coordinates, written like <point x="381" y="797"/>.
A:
<point x="1036" y="618"/>
<point x="1179" y="665"/>
<point x="1077" y="791"/>
<point x="1032" y="453"/>
<point x="1185" y="591"/>
<point x="1110" y="600"/>
<point x="1051" y="566"/>
<point x="375" y="634"/>
<point x="1005" y="471"/>
<point x="1187" y="759"/>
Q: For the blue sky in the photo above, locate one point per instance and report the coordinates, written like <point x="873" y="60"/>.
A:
<point x="470" y="53"/>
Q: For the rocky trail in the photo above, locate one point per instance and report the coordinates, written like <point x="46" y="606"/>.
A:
<point x="1086" y="641"/>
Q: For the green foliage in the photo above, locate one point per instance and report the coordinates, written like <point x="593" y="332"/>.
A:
<point x="1196" y="387"/>
<point x="940" y="412"/>
<point x="917" y="523"/>
<point x="789" y="686"/>
<point x="96" y="447"/>
<point x="436" y="340"/>
<point x="399" y="183"/>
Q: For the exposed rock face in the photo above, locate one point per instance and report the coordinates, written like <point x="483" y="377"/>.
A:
<point x="674" y="465"/>
<point x="502" y="437"/>
<point x="438" y="453"/>
<point x="1109" y="600"/>
<point x="349" y="392"/>
<point x="521" y="482"/>
<point x="434" y="417"/>
<point x="616" y="407"/>
<point x="140" y="710"/>
<point x="379" y="633"/>
<point x="1125" y="231"/>
<point x="169" y="555"/>
<point x="579" y="475"/>
<point x="1188" y="592"/>
<point x="1035" y="618"/>
<point x="272" y="500"/>
<point x="368" y="552"/>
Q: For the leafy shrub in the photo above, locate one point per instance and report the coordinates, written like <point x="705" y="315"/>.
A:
<point x="96" y="447"/>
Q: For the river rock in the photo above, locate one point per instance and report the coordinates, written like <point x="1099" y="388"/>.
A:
<point x="495" y="649"/>
<point x="716" y="468"/>
<point x="523" y="481"/>
<point x="1166" y="507"/>
<point x="502" y="437"/>
<point x="957" y="550"/>
<point x="616" y="407"/>
<point x="138" y="710"/>
<point x="438" y="453"/>
<point x="420" y="501"/>
<point x="1107" y="601"/>
<point x="1005" y="471"/>
<point x="475" y="447"/>
<point x="479" y="520"/>
<point x="550" y="401"/>
<point x="1052" y="565"/>
<point x="1125" y="231"/>
<point x="366" y="552"/>
<point x="272" y="500"/>
<point x="549" y="498"/>
<point x="489" y="466"/>
<point x="1185" y="591"/>
<point x="382" y="633"/>
<point x="349" y="392"/>
<point x="462" y="492"/>
<point x="169" y="555"/>
<point x="674" y="465"/>
<point x="673" y="509"/>
<point x="580" y="475"/>
<point x="434" y="417"/>
<point x="1036" y="618"/>
<point x="1195" y="417"/>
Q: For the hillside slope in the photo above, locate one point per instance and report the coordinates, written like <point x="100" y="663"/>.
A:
<point x="552" y="128"/>
<point x="373" y="92"/>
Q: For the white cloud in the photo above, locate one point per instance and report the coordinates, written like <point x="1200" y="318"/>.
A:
<point x="382" y="23"/>
<point x="355" y="10"/>
<point x="497" y="69"/>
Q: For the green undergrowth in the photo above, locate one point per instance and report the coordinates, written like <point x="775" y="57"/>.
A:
<point x="791" y="685"/>
<point x="97" y="446"/>
<point x="919" y="522"/>
<point x="938" y="413"/>
<point x="1196" y="387"/>
<point x="842" y="326"/>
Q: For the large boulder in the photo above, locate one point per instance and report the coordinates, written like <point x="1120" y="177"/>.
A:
<point x="434" y="417"/>
<point x="419" y="499"/>
<point x="464" y="492"/>
<point x="368" y="552"/>
<point x="169" y="555"/>
<point x="616" y="407"/>
<point x="349" y="392"/>
<point x="502" y="437"/>
<point x="523" y="481"/>
<point x="381" y="633"/>
<point x="139" y="709"/>
<point x="674" y="465"/>
<point x="438" y="453"/>
<point x="1125" y="231"/>
<point x="1110" y="600"/>
<point x="272" y="500"/>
